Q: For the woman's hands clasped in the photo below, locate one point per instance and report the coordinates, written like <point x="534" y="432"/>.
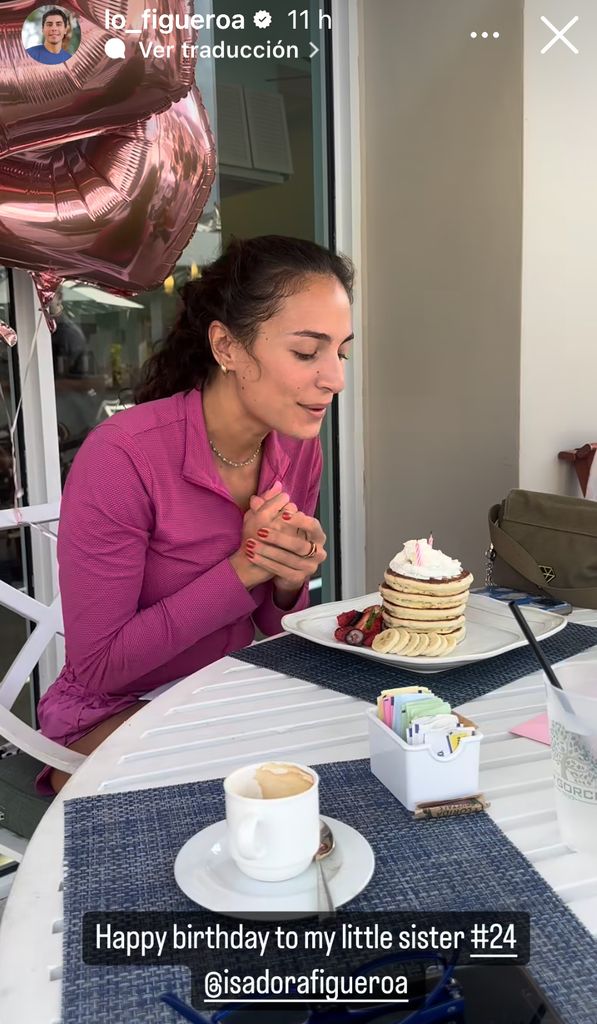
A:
<point x="279" y="543"/>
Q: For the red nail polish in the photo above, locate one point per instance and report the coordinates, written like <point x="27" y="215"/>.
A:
<point x="263" y="533"/>
<point x="249" y="544"/>
<point x="250" y="554"/>
<point x="287" y="515"/>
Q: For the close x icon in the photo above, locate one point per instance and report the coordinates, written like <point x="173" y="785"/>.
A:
<point x="559" y="34"/>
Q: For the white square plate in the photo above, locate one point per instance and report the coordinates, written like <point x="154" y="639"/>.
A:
<point x="490" y="630"/>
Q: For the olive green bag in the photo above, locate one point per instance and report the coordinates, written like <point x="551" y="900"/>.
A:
<point x="545" y="544"/>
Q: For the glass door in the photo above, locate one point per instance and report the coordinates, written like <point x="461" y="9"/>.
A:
<point x="13" y="553"/>
<point x="271" y="118"/>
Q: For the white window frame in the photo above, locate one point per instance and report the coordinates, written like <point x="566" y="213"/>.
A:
<point x="42" y="457"/>
<point x="348" y="214"/>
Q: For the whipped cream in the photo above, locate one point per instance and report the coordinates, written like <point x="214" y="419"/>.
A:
<point x="434" y="564"/>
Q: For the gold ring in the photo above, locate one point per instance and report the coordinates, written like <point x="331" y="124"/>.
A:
<point x="311" y="550"/>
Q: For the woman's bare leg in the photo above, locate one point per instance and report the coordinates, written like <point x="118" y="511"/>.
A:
<point x="92" y="740"/>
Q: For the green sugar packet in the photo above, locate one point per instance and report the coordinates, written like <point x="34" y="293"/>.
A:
<point x="416" y="709"/>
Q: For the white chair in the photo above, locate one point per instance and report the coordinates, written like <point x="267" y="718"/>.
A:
<point x="48" y="620"/>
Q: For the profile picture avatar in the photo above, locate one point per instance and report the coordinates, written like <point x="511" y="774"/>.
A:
<point x="58" y="30"/>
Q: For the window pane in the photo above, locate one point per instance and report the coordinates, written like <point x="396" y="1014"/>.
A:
<point x="13" y="629"/>
<point x="268" y="117"/>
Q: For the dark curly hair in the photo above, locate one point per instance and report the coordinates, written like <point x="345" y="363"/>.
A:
<point x="243" y="288"/>
<point x="54" y="11"/>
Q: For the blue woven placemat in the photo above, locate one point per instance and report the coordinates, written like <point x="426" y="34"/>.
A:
<point x="120" y="851"/>
<point x="365" y="678"/>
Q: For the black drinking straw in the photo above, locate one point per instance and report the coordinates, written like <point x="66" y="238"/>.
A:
<point x="532" y="642"/>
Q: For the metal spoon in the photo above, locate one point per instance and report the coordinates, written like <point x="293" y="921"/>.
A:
<point x="326" y="845"/>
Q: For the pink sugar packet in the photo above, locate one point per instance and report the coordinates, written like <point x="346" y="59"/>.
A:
<point x="536" y="728"/>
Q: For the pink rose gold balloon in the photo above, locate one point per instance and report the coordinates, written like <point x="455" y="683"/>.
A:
<point x="7" y="334"/>
<point x="46" y="285"/>
<point x="42" y="105"/>
<point x="116" y="209"/>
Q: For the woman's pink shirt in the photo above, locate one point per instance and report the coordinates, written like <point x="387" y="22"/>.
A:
<point x="147" y="528"/>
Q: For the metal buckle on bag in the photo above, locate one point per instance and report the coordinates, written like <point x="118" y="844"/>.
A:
<point x="490" y="556"/>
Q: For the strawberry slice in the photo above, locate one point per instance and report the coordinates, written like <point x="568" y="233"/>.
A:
<point x="376" y="628"/>
<point x="357" y="628"/>
<point x="368" y="617"/>
<point x="348" y="618"/>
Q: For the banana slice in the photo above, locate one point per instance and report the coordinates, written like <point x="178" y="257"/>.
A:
<point x="402" y="642"/>
<point x="413" y="643"/>
<point x="450" y="643"/>
<point x="435" y="645"/>
<point x="454" y="638"/>
<point x="443" y="648"/>
<point x="421" y="649"/>
<point x="384" y="641"/>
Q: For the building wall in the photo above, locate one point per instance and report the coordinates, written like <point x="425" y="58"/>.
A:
<point x="442" y="198"/>
<point x="559" y="332"/>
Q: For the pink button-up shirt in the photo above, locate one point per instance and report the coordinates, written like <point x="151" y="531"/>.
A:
<point x="146" y="530"/>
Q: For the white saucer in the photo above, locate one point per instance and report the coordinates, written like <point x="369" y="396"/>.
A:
<point x="206" y="873"/>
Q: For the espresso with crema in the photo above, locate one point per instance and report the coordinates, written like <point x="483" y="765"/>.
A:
<point x="276" y="780"/>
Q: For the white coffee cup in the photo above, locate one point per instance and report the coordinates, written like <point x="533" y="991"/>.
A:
<point x="271" y="839"/>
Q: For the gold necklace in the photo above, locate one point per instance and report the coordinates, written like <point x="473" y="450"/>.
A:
<point x="229" y="462"/>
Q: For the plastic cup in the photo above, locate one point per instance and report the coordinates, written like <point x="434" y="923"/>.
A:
<point x="573" y="727"/>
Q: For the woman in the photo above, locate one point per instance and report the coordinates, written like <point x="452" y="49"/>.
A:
<point x="188" y="520"/>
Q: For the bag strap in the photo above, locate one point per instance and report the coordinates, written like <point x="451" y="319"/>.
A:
<point x="524" y="564"/>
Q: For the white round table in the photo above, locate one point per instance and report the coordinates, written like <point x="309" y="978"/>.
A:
<point x="232" y="713"/>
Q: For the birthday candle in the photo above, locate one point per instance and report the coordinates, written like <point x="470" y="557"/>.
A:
<point x="418" y="560"/>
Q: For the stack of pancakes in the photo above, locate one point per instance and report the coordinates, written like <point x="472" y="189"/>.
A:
<point x="428" y="615"/>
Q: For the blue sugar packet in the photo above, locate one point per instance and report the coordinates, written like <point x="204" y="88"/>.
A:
<point x="400" y="700"/>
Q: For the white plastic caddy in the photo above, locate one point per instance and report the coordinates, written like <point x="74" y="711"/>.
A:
<point x="414" y="774"/>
